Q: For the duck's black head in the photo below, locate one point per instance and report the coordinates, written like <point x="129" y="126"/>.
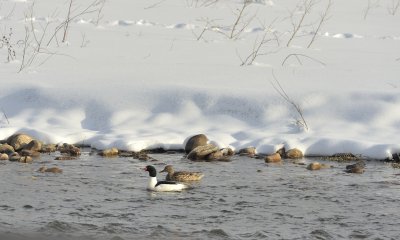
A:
<point x="152" y="171"/>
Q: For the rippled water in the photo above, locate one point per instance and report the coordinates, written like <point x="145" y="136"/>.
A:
<point x="101" y="198"/>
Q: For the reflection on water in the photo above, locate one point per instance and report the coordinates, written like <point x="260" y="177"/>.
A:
<point x="100" y="198"/>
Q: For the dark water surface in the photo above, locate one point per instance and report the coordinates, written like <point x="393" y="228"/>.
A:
<point x="101" y="198"/>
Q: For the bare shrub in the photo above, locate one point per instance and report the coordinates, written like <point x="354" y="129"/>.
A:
<point x="301" y="121"/>
<point x="305" y="8"/>
<point x="324" y="17"/>
<point x="6" y="41"/>
<point x="394" y="7"/>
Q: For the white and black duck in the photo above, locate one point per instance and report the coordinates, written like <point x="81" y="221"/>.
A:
<point x="162" y="186"/>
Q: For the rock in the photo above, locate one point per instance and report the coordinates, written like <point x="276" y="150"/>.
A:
<point x="50" y="170"/>
<point x="358" y="167"/>
<point x="215" y="156"/>
<point x="276" y="157"/>
<point x="13" y="157"/>
<point x="6" y="148"/>
<point x="29" y="153"/>
<point x="61" y="158"/>
<point x="112" y="152"/>
<point x="69" y="149"/>
<point x="33" y="145"/>
<point x="227" y="152"/>
<point x="294" y="153"/>
<point x="195" y="141"/>
<point x="47" y="148"/>
<point x="18" y="141"/>
<point x="249" y="151"/>
<point x="314" y="166"/>
<point x="201" y="152"/>
<point x="3" y="157"/>
<point x="282" y="152"/>
<point x="142" y="156"/>
<point x="25" y="159"/>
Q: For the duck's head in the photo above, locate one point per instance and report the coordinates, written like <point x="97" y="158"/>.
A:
<point x="168" y="169"/>
<point x="152" y="171"/>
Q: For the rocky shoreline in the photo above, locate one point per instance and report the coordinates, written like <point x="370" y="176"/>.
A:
<point x="23" y="148"/>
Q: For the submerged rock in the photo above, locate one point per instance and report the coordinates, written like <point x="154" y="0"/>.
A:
<point x="18" y="141"/>
<point x="358" y="167"/>
<point x="50" y="170"/>
<point x="62" y="158"/>
<point x="195" y="141"/>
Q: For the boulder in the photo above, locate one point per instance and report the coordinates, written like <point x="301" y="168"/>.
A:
<point x="47" y="148"/>
<point x="201" y="152"/>
<point x="3" y="157"/>
<point x="276" y="157"/>
<point x="30" y="153"/>
<point x="215" y="156"/>
<point x="111" y="152"/>
<point x="294" y="153"/>
<point x="227" y="152"/>
<point x="69" y="149"/>
<point x="195" y="141"/>
<point x="6" y="148"/>
<point x="14" y="157"/>
<point x="282" y="152"/>
<point x="314" y="166"/>
<point x="18" y="141"/>
<point x="249" y="151"/>
<point x="25" y="159"/>
<point x="358" y="167"/>
<point x="33" y="145"/>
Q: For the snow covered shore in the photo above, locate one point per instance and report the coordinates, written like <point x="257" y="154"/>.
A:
<point x="147" y="74"/>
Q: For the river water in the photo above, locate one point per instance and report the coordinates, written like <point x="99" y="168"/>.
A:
<point x="106" y="198"/>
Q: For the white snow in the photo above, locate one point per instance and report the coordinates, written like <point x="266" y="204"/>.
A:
<point x="140" y="78"/>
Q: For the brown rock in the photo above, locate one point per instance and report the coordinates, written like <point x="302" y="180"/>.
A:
<point x="5" y="148"/>
<point x="47" y="148"/>
<point x="201" y="152"/>
<point x="14" y="157"/>
<point x="33" y="145"/>
<point x="276" y="157"/>
<point x="195" y="141"/>
<point x="50" y="170"/>
<point x="112" y="152"/>
<point x="18" y="141"/>
<point x="214" y="156"/>
<point x="25" y="159"/>
<point x="314" y="166"/>
<point x="3" y="157"/>
<point x="249" y="151"/>
<point x="29" y="153"/>
<point x="227" y="152"/>
<point x="282" y="152"/>
<point x="61" y="158"/>
<point x="294" y="153"/>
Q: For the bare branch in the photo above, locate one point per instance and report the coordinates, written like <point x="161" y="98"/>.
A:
<point x="154" y="5"/>
<point x="297" y="55"/>
<point x="281" y="91"/>
<point x="322" y="20"/>
<point x="307" y="6"/>
<point x="394" y="7"/>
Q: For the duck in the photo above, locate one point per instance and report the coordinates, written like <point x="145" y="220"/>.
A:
<point x="181" y="176"/>
<point x="162" y="186"/>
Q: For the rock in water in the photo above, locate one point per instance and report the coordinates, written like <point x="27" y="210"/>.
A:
<point x="195" y="141"/>
<point x="201" y="152"/>
<point x="18" y="141"/>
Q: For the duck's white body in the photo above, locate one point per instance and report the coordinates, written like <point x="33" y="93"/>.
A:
<point x="154" y="185"/>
